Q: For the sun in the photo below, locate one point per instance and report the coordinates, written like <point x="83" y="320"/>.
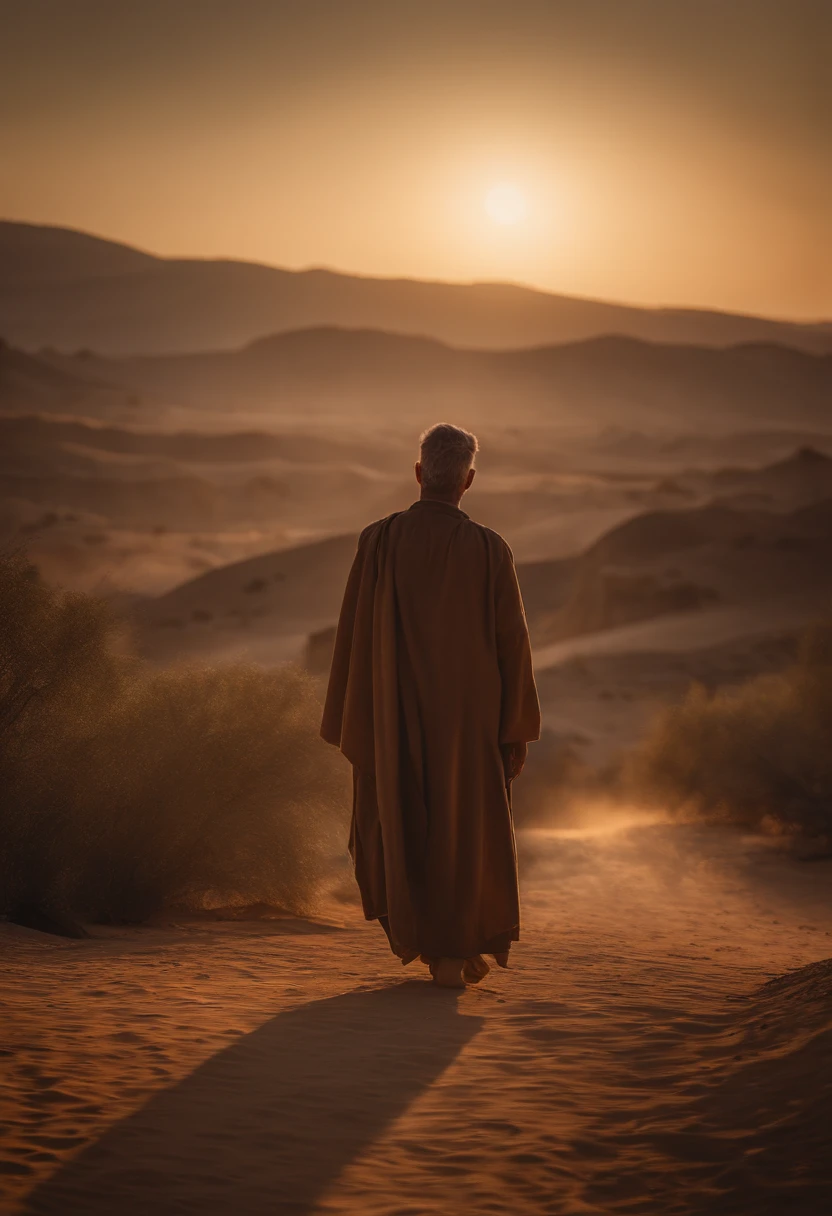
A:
<point x="506" y="204"/>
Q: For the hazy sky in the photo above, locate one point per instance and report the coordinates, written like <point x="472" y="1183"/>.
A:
<point x="666" y="151"/>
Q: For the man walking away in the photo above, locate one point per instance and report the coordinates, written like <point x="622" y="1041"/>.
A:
<point x="432" y="700"/>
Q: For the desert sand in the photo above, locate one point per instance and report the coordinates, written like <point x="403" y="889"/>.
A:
<point x="638" y="1056"/>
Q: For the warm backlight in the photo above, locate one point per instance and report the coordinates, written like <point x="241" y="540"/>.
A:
<point x="506" y="204"/>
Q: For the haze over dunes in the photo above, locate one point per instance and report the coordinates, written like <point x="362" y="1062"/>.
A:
<point x="68" y="290"/>
<point x="362" y="375"/>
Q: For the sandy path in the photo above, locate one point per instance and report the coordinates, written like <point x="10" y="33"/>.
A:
<point x="293" y="1068"/>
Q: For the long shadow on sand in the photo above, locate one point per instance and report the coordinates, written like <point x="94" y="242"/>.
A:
<point x="266" y="1125"/>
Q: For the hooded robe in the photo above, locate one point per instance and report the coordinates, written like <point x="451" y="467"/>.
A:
<point x="431" y="674"/>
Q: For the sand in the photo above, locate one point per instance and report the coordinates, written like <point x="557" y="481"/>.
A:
<point x="630" y="1060"/>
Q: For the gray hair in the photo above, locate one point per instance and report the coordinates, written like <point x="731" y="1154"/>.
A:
<point x="446" y="454"/>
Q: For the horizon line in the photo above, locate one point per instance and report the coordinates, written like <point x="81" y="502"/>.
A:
<point x="516" y="285"/>
<point x="277" y="335"/>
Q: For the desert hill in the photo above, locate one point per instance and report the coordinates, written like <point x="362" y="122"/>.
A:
<point x="144" y="509"/>
<point x="681" y="561"/>
<point x="67" y="289"/>
<point x="185" y="480"/>
<point x="261" y="607"/>
<point x="36" y="253"/>
<point x="620" y="448"/>
<point x="800" y="476"/>
<point x="29" y="436"/>
<point x="653" y="565"/>
<point x="264" y="605"/>
<point x="143" y="506"/>
<point x="357" y="375"/>
<point x="103" y="507"/>
<point x="799" y="479"/>
<point x="713" y="595"/>
<point x="29" y="384"/>
<point x="43" y="448"/>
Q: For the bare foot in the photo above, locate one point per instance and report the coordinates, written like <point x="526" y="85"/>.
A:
<point x="447" y="973"/>
<point x="475" y="969"/>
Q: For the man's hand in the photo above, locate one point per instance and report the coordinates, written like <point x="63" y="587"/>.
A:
<point x="514" y="757"/>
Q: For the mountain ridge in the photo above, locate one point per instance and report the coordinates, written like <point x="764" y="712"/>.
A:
<point x="370" y="374"/>
<point x="66" y="289"/>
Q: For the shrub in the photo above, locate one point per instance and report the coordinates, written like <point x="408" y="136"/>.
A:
<point x="126" y="790"/>
<point x="230" y="796"/>
<point x="758" y="755"/>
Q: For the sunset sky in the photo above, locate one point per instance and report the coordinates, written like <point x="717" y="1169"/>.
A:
<point x="654" y="151"/>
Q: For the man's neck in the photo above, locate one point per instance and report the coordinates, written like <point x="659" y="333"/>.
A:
<point x="450" y="500"/>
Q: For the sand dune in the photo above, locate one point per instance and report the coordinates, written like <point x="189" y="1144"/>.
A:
<point x="638" y="1056"/>
<point x="262" y="607"/>
<point x="690" y="449"/>
<point x="667" y="562"/>
<point x="712" y="595"/>
<point x="129" y="502"/>
<point x="29" y="383"/>
<point x="30" y="436"/>
<point x="800" y="479"/>
<point x="601" y="691"/>
<point x="702" y="562"/>
<point x="142" y="509"/>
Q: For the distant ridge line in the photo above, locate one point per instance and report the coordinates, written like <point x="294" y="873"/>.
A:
<point x="335" y="272"/>
<point x="67" y="289"/>
<point x="611" y="339"/>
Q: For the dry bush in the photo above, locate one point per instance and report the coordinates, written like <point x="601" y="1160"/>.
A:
<point x="125" y="791"/>
<point x="230" y="796"/>
<point x="758" y="755"/>
<point x="59" y="675"/>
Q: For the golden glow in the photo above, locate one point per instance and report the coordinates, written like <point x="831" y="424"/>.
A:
<point x="662" y="157"/>
<point x="506" y="204"/>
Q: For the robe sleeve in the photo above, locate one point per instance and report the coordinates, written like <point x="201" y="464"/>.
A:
<point x="520" y="708"/>
<point x="336" y="693"/>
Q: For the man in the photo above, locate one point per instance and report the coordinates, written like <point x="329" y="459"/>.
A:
<point x="432" y="700"/>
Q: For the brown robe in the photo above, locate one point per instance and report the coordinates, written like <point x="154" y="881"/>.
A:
<point x="432" y="672"/>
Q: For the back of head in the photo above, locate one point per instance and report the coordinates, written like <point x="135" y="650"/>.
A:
<point x="446" y="455"/>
